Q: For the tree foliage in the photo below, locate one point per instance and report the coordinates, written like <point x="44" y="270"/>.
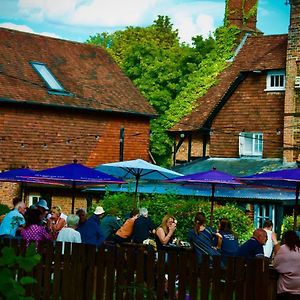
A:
<point x="170" y="74"/>
<point x="183" y="209"/>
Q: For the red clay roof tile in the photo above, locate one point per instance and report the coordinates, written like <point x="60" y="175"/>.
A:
<point x="88" y="72"/>
<point x="258" y="53"/>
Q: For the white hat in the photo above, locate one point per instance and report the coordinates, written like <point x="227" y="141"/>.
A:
<point x="99" y="210"/>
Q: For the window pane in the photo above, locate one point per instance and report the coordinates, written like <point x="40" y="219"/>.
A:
<point x="48" y="77"/>
<point x="272" y="81"/>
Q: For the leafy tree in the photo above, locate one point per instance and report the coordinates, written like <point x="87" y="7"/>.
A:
<point x="170" y="74"/>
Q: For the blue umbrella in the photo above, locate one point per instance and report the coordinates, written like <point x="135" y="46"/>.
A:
<point x="137" y="169"/>
<point x="211" y="178"/>
<point x="14" y="175"/>
<point x="286" y="179"/>
<point x="74" y="175"/>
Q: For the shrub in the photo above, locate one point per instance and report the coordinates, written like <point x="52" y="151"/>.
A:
<point x="12" y="286"/>
<point x="183" y="209"/>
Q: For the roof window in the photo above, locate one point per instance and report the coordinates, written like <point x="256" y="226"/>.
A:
<point x="52" y="83"/>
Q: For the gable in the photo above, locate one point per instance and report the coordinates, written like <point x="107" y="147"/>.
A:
<point x="258" y="53"/>
<point x="89" y="75"/>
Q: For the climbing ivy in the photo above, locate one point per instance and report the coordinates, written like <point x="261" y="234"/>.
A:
<point x="170" y="74"/>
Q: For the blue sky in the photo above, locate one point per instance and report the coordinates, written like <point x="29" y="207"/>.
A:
<point x="78" y="19"/>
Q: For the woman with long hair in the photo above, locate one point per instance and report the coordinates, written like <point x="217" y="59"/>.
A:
<point x="287" y="264"/>
<point x="165" y="231"/>
<point x="227" y="240"/>
<point x="202" y="238"/>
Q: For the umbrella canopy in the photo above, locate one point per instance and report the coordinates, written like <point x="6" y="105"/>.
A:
<point x="14" y="175"/>
<point x="212" y="178"/>
<point x="286" y="179"/>
<point x="74" y="175"/>
<point x="137" y="169"/>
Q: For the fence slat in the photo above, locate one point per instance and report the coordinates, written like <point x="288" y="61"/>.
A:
<point x="172" y="267"/>
<point x="100" y="277"/>
<point x="151" y="267"/>
<point x="130" y="272"/>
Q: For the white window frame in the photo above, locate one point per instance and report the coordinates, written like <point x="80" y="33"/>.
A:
<point x="33" y="198"/>
<point x="251" y="144"/>
<point x="276" y="80"/>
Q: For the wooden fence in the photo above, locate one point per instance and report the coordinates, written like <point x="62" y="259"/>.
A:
<point x="131" y="272"/>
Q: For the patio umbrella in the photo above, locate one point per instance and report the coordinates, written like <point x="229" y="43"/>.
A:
<point x="15" y="175"/>
<point x="137" y="169"/>
<point x="74" y="175"/>
<point x="212" y="178"/>
<point x="285" y="179"/>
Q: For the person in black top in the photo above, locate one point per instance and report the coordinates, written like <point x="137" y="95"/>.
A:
<point x="143" y="227"/>
<point x="254" y="246"/>
<point x="165" y="231"/>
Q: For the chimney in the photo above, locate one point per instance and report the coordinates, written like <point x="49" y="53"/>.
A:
<point x="242" y="14"/>
<point x="291" y="134"/>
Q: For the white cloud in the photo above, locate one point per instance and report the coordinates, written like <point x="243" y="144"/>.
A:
<point x="191" y="18"/>
<point x="190" y="27"/>
<point x="26" y="28"/>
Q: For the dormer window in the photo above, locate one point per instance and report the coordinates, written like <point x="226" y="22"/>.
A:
<point x="275" y="80"/>
<point x="54" y="86"/>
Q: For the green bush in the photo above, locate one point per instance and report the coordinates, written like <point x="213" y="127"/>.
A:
<point x="288" y="223"/>
<point x="4" y="209"/>
<point x="12" y="287"/>
<point x="183" y="209"/>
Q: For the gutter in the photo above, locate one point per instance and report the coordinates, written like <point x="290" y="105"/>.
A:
<point x="33" y="104"/>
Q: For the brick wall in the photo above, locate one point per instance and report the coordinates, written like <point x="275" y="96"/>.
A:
<point x="292" y="96"/>
<point x="250" y="109"/>
<point x="43" y="138"/>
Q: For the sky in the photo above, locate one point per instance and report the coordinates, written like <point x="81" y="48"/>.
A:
<point x="76" y="20"/>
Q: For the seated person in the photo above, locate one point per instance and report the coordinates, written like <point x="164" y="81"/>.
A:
<point x="125" y="232"/>
<point x="33" y="230"/>
<point x="143" y="227"/>
<point x="254" y="246"/>
<point x="165" y="231"/>
<point x="202" y="238"/>
<point x="13" y="221"/>
<point x="110" y="223"/>
<point x="68" y="233"/>
<point x="55" y="223"/>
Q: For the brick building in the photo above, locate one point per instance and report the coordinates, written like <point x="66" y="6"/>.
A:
<point x="63" y="100"/>
<point x="253" y="110"/>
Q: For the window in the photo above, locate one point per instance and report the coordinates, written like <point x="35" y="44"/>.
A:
<point x="251" y="143"/>
<point x="263" y="212"/>
<point x="33" y="199"/>
<point x="276" y="81"/>
<point x="52" y="83"/>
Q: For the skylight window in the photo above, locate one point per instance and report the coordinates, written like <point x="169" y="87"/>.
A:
<point x="52" y="83"/>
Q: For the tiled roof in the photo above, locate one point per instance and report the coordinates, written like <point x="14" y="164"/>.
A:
<point x="88" y="72"/>
<point x="258" y="53"/>
<point x="234" y="166"/>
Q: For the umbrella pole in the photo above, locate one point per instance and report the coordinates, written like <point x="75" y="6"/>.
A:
<point x="136" y="190"/>
<point x="212" y="204"/>
<point x="296" y="206"/>
<point x="73" y="196"/>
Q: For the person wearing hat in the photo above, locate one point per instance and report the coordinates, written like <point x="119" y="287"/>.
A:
<point x="89" y="229"/>
<point x="42" y="206"/>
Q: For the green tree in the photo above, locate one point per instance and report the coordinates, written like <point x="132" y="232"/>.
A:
<point x="170" y="74"/>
